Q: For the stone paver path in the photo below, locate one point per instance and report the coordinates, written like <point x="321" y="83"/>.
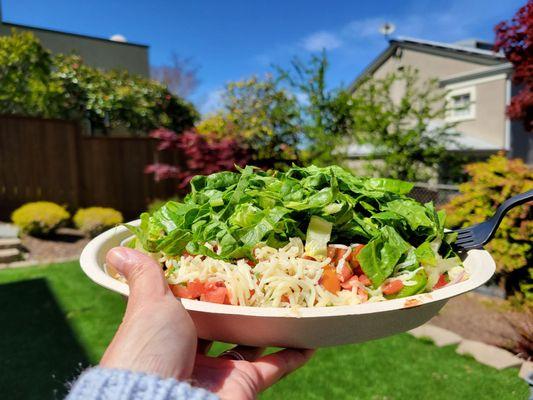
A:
<point x="489" y="355"/>
<point x="441" y="337"/>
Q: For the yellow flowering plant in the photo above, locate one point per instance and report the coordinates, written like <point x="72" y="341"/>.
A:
<point x="40" y="217"/>
<point x="95" y="220"/>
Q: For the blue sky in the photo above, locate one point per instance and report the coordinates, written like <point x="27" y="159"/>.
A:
<point x="230" y="39"/>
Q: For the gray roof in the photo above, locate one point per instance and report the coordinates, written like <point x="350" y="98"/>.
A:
<point x="480" y="56"/>
<point x="458" y="48"/>
<point x="20" y="26"/>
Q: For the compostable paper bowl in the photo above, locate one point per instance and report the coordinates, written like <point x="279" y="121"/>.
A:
<point x="308" y="327"/>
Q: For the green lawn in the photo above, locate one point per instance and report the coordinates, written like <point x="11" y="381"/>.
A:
<point x="54" y="322"/>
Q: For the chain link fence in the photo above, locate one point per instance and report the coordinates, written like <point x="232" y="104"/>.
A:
<point x="438" y="194"/>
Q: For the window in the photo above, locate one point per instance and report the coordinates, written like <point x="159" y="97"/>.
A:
<point x="461" y="104"/>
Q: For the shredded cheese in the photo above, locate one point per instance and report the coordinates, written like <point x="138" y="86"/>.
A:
<point x="281" y="278"/>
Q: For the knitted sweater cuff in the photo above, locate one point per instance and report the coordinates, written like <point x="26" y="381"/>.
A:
<point x="105" y="383"/>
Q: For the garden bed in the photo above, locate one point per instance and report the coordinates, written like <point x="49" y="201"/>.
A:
<point x="482" y="318"/>
<point x="64" y="245"/>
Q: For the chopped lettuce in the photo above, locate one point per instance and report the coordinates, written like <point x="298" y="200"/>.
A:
<point x="382" y="253"/>
<point x="240" y="210"/>
<point x="317" y="238"/>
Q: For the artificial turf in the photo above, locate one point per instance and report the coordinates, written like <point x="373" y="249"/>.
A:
<point x="54" y="322"/>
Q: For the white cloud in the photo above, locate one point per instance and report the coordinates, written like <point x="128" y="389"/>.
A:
<point x="363" y="27"/>
<point x="321" y="40"/>
<point x="359" y="41"/>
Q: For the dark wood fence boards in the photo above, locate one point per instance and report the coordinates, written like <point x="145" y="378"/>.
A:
<point x="50" y="160"/>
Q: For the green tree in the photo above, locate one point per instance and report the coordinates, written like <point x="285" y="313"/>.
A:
<point x="288" y="117"/>
<point x="25" y="87"/>
<point x="117" y="98"/>
<point x="35" y="83"/>
<point x="267" y="117"/>
<point x="325" y="113"/>
<point x="402" y="118"/>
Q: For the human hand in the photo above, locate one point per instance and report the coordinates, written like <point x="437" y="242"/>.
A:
<point x="157" y="336"/>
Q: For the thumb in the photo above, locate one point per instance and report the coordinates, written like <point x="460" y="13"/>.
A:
<point x="144" y="274"/>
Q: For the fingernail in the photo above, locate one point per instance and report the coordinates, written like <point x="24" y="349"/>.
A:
<point x="117" y="258"/>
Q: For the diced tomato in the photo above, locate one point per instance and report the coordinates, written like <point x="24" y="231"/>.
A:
<point x="250" y="263"/>
<point x="358" y="248"/>
<point x="181" y="291"/>
<point x="196" y="288"/>
<point x="443" y="281"/>
<point x="364" y="280"/>
<point x="285" y="298"/>
<point x="352" y="258"/>
<point x="213" y="285"/>
<point x="392" y="287"/>
<point x="363" y="294"/>
<point x="332" y="253"/>
<point x="330" y="280"/>
<point x="227" y="298"/>
<point x="350" y="283"/>
<point x="215" y="295"/>
<point x="252" y="292"/>
<point x="341" y="252"/>
<point x="346" y="273"/>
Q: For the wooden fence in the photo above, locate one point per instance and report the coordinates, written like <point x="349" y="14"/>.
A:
<point x="43" y="159"/>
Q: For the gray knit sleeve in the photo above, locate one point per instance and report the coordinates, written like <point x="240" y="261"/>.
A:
<point x="104" y="383"/>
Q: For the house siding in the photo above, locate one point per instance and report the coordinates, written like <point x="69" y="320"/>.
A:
<point x="489" y="121"/>
<point x="95" y="52"/>
<point x="429" y="65"/>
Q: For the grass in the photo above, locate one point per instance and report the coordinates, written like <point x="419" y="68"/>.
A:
<point x="56" y="322"/>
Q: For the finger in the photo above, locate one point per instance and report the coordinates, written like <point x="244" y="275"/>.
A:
<point x="144" y="275"/>
<point x="275" y="366"/>
<point x="203" y="346"/>
<point x="246" y="353"/>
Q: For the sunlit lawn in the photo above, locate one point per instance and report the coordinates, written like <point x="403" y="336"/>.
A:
<point x="54" y="322"/>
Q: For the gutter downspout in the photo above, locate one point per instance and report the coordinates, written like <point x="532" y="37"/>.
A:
<point x="508" y="88"/>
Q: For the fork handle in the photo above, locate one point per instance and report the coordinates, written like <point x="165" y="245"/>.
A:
<point x="506" y="206"/>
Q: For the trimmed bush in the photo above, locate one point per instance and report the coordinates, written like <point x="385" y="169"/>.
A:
<point x="40" y="217"/>
<point x="491" y="183"/>
<point x="95" y="220"/>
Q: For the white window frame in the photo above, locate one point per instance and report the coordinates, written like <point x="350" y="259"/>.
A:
<point x="471" y="91"/>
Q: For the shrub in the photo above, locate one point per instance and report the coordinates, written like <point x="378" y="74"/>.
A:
<point x="39" y="218"/>
<point x="201" y="154"/>
<point x="491" y="183"/>
<point x="95" y="220"/>
<point x="34" y="82"/>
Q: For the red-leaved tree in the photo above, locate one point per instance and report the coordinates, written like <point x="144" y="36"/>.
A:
<point x="198" y="155"/>
<point x="515" y="39"/>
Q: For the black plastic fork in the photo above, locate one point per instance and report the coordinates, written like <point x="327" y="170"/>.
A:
<point x="475" y="236"/>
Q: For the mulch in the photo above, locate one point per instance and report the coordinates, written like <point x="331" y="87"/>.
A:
<point x="486" y="319"/>
<point x="64" y="244"/>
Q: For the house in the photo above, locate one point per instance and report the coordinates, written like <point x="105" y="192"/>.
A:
<point x="478" y="82"/>
<point x="96" y="52"/>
